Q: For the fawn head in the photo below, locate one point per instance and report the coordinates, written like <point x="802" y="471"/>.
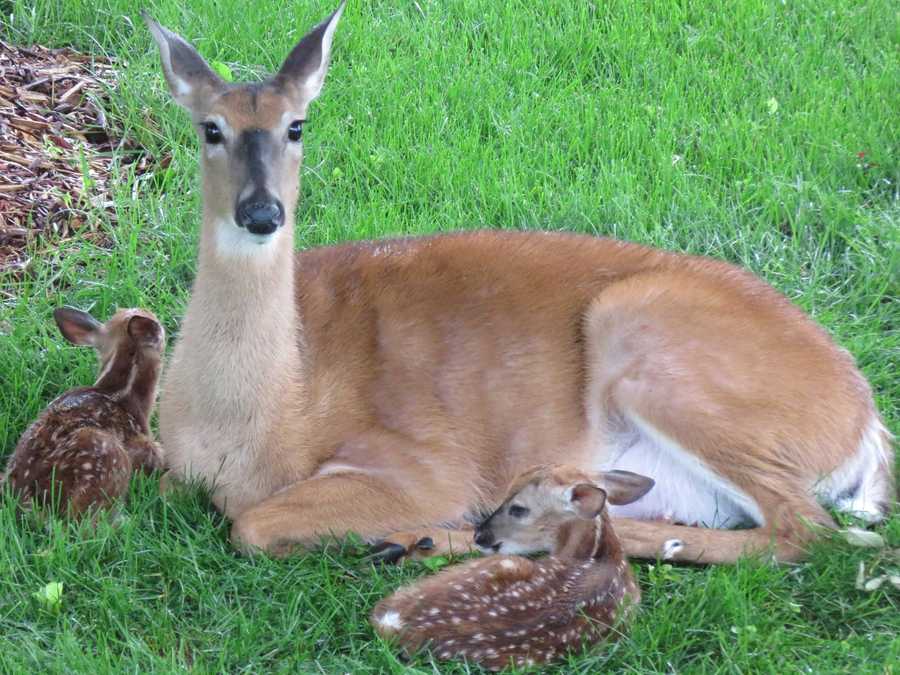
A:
<point x="251" y="133"/>
<point x="130" y="333"/>
<point x="543" y="499"/>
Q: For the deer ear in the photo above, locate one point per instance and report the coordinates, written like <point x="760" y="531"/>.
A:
<point x="78" y="327"/>
<point x="191" y="81"/>
<point x="624" y="487"/>
<point x="587" y="500"/>
<point x="145" y="331"/>
<point x="303" y="71"/>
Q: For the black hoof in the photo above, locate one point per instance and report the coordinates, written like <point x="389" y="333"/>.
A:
<point x="386" y="552"/>
<point x="425" y="544"/>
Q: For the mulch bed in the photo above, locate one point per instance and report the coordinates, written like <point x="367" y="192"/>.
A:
<point x="59" y="153"/>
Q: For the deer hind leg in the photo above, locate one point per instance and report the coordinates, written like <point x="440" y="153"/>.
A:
<point x="680" y="543"/>
<point x="688" y="510"/>
<point x="777" y="516"/>
<point x="736" y="409"/>
<point x="91" y="474"/>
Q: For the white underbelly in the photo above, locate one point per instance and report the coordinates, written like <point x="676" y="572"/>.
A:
<point x="687" y="491"/>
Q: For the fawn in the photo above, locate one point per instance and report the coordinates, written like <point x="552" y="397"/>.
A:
<point x="80" y="452"/>
<point x="391" y="388"/>
<point x="507" y="609"/>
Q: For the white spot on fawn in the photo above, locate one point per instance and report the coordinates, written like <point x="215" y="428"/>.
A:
<point x="390" y="620"/>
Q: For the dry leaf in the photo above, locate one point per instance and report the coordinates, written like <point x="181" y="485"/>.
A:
<point x="875" y="583"/>
<point x="858" y="537"/>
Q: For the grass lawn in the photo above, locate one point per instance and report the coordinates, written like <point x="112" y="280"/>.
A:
<point x="733" y="130"/>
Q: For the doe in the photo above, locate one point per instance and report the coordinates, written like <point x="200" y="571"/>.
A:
<point x="508" y="609"/>
<point x="391" y="388"/>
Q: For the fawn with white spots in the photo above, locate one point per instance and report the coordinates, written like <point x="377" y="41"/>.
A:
<point x="80" y="452"/>
<point x="508" y="609"/>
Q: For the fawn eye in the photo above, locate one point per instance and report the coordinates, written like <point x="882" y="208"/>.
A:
<point x="295" y="131"/>
<point x="212" y="133"/>
<point x="517" y="511"/>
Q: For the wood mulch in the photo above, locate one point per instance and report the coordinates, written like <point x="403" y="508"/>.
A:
<point x="59" y="153"/>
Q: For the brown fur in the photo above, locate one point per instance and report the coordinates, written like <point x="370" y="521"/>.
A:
<point x="507" y="610"/>
<point x="80" y="452"/>
<point x="398" y="386"/>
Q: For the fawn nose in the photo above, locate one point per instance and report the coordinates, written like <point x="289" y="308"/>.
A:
<point x="260" y="216"/>
<point x="484" y="538"/>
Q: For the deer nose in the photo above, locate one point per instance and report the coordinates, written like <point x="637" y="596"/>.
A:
<point x="484" y="538"/>
<point x="260" y="216"/>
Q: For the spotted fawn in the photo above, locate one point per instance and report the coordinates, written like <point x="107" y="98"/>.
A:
<point x="506" y="609"/>
<point x="80" y="452"/>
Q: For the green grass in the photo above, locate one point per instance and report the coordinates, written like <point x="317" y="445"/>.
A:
<point x="650" y="121"/>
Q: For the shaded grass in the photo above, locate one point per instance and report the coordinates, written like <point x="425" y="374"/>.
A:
<point x="652" y="122"/>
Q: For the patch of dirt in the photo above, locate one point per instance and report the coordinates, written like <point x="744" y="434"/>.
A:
<point x="59" y="154"/>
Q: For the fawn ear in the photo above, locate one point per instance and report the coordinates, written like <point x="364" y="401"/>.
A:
<point x="191" y="81"/>
<point x="303" y="72"/>
<point x="145" y="331"/>
<point x="587" y="500"/>
<point x="624" y="487"/>
<point x="78" y="327"/>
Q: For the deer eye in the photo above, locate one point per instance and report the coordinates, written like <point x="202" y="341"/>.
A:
<point x="295" y="130"/>
<point x="517" y="511"/>
<point x="212" y="133"/>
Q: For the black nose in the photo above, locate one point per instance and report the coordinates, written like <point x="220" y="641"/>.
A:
<point x="484" y="538"/>
<point x="260" y="217"/>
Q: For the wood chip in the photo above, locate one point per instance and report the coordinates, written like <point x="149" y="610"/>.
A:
<point x="52" y="130"/>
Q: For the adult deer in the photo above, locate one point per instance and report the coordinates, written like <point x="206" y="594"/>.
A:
<point x="396" y="387"/>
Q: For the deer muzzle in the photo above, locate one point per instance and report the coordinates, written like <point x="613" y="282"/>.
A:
<point x="260" y="215"/>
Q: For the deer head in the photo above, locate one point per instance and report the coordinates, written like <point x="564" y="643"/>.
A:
<point x="129" y="345"/>
<point x="251" y="134"/>
<point x="545" y="498"/>
<point x="128" y="330"/>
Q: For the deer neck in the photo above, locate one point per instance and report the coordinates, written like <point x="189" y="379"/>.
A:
<point x="130" y="376"/>
<point x="586" y="540"/>
<point x="243" y="313"/>
<point x="577" y="540"/>
<point x="608" y="545"/>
